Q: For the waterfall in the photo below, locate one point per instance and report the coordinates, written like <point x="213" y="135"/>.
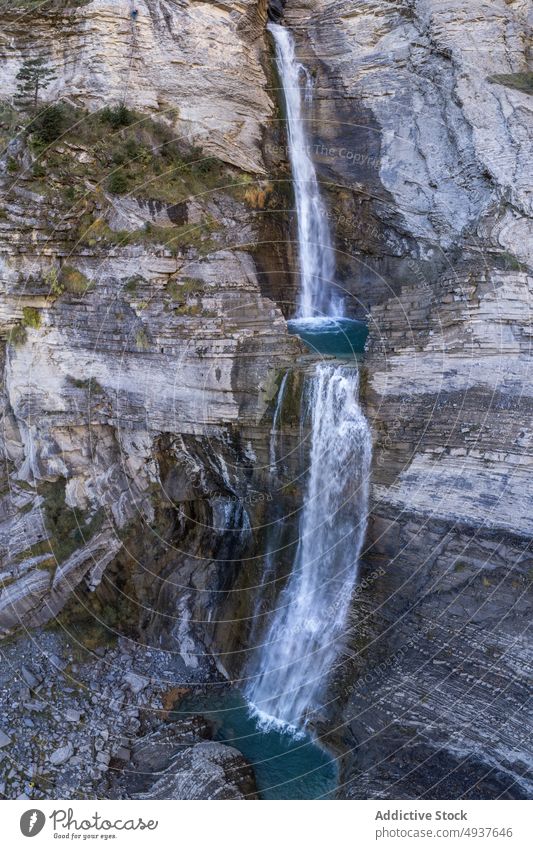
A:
<point x="306" y="632"/>
<point x="275" y="421"/>
<point x="316" y="257"/>
<point x="292" y="665"/>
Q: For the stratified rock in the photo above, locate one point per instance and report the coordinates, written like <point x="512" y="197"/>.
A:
<point x="198" y="64"/>
<point x="153" y="752"/>
<point x="206" y="771"/>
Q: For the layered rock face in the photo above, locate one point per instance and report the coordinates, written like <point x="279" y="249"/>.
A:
<point x="144" y="343"/>
<point x="196" y="65"/>
<point x="422" y="129"/>
<point x="142" y="358"/>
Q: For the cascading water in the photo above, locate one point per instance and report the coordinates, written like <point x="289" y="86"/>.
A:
<point x="316" y="257"/>
<point x="290" y="669"/>
<point x="306" y="632"/>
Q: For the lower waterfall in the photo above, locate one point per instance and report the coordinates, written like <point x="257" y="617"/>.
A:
<point x="305" y="634"/>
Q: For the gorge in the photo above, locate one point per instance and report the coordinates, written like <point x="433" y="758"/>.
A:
<point x="191" y="265"/>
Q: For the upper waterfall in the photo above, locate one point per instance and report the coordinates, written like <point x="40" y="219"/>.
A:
<point x="316" y="256"/>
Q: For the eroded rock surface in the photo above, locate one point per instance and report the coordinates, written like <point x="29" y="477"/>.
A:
<point x="145" y="348"/>
<point x="196" y="65"/>
<point x="422" y="126"/>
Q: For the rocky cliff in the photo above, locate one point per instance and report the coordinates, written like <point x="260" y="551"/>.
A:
<point x="140" y="355"/>
<point x="422" y="123"/>
<point x="145" y="274"/>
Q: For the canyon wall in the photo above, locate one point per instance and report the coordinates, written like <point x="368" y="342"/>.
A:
<point x="141" y="358"/>
<point x="144" y="341"/>
<point x="421" y="128"/>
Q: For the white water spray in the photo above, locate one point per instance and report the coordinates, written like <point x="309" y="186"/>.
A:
<point x="306" y="632"/>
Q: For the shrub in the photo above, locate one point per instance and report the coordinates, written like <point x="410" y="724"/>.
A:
<point x="117" y="183"/>
<point x="31" y="317"/>
<point x="89" y="384"/>
<point x="131" y="148"/>
<point x="49" y="124"/>
<point x="257" y="196"/>
<point x="117" y="116"/>
<point x="73" y="281"/>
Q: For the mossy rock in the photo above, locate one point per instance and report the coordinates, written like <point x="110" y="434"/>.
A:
<point x="31" y="317"/>
<point x="68" y="528"/>
<point x="142" y="341"/>
<point x="180" y="290"/>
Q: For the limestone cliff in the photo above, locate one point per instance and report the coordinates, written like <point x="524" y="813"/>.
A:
<point x="422" y="128"/>
<point x="145" y="272"/>
<point x="138" y="337"/>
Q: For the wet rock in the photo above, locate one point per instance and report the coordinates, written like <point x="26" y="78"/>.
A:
<point x="4" y="740"/>
<point x="276" y="9"/>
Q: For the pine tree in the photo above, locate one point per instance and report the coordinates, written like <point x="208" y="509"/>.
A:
<point x="33" y="76"/>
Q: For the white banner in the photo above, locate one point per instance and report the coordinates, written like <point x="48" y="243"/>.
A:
<point x="259" y="825"/>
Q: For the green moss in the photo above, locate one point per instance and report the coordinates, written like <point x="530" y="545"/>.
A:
<point x="132" y="283"/>
<point x="52" y="281"/>
<point x="522" y="81"/>
<point x="509" y="262"/>
<point x="190" y="309"/>
<point x="181" y="289"/>
<point x="31" y="317"/>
